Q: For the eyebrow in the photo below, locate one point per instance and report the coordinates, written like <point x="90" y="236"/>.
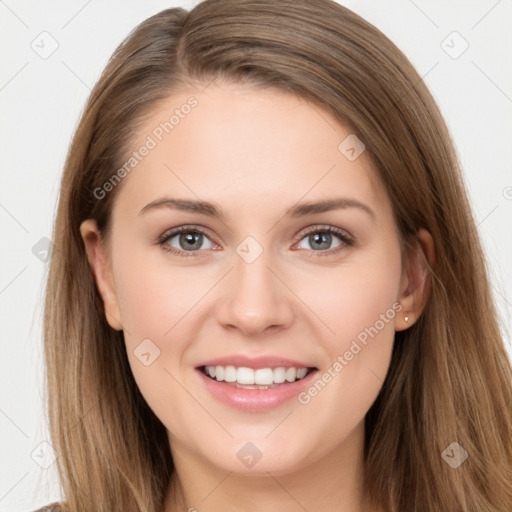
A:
<point x="298" y="210"/>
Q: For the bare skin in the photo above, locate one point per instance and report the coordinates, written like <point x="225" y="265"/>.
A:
<point x="256" y="153"/>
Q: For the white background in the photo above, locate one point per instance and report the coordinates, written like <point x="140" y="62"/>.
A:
<point x="40" y="102"/>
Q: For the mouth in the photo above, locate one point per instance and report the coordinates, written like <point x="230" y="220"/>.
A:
<point x="243" y="377"/>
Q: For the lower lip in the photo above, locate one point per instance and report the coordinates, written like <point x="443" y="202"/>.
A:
<point x="255" y="400"/>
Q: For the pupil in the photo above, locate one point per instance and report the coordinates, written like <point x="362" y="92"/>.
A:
<point x="323" y="239"/>
<point x="194" y="239"/>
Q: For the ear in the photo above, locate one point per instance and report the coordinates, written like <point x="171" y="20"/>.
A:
<point x="100" y="265"/>
<point x="415" y="282"/>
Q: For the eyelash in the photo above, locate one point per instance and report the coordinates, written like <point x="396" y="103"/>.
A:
<point x="346" y="240"/>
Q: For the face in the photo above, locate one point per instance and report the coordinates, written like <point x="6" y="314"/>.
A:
<point x="258" y="277"/>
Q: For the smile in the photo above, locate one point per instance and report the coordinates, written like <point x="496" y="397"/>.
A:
<point x="255" y="390"/>
<point x="260" y="378"/>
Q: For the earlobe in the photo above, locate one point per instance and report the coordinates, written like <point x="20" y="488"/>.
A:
<point x="415" y="285"/>
<point x="102" y="272"/>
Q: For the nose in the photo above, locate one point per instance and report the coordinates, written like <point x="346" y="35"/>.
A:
<point x="255" y="299"/>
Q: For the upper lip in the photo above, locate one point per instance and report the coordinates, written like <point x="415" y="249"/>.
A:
<point x="239" y="360"/>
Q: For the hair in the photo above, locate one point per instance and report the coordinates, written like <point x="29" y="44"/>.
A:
<point x="449" y="378"/>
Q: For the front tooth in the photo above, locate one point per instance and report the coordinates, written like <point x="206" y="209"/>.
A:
<point x="219" y="372"/>
<point x="260" y="377"/>
<point x="264" y="376"/>
<point x="291" y="374"/>
<point x="279" y="375"/>
<point x="245" y="375"/>
<point x="230" y="374"/>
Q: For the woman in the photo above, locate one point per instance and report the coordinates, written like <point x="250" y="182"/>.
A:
<point x="269" y="292"/>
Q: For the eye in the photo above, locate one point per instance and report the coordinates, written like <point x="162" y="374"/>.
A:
<point x="185" y="240"/>
<point x="188" y="241"/>
<point x="325" y="239"/>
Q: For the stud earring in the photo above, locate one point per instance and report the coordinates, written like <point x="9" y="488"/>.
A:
<point x="406" y="318"/>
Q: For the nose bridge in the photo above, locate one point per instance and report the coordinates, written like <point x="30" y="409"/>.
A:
<point x="254" y="299"/>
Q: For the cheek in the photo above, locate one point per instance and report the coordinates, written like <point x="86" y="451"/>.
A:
<point x="359" y="305"/>
<point x="358" y="295"/>
<point x="154" y="297"/>
<point x="364" y="301"/>
<point x="157" y="305"/>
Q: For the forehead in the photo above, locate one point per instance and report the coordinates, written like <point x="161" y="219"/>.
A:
<point x="240" y="145"/>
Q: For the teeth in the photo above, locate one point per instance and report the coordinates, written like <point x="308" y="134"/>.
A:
<point x="259" y="377"/>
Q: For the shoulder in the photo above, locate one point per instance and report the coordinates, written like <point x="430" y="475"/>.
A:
<point x="53" y="507"/>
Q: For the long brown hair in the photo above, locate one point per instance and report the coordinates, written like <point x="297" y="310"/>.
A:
<point x="450" y="378"/>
